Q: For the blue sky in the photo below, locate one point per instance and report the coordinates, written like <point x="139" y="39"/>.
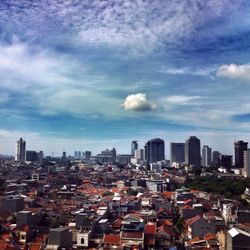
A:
<point x="93" y="74"/>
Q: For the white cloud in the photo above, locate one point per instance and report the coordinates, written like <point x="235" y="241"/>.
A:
<point x="52" y="83"/>
<point x="189" y="71"/>
<point x="234" y="71"/>
<point x="138" y="102"/>
<point x="182" y="99"/>
<point x="138" y="25"/>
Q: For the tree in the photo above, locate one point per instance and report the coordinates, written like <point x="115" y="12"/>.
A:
<point x="179" y="226"/>
<point x="107" y="193"/>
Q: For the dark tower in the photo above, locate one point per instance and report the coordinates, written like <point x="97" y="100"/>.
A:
<point x="239" y="148"/>
<point x="134" y="146"/>
<point x="193" y="151"/>
<point x="155" y="150"/>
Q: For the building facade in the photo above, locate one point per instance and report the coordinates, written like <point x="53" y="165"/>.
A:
<point x="192" y="151"/>
<point x="239" y="148"/>
<point x="216" y="156"/>
<point x="246" y="171"/>
<point x="177" y="152"/>
<point x="155" y="150"/>
<point x="206" y="156"/>
<point x="134" y="147"/>
<point x="20" y="150"/>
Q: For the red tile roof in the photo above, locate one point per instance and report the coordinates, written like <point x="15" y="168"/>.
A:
<point x="192" y="220"/>
<point x="167" y="223"/>
<point x="210" y="236"/>
<point x="112" y="239"/>
<point x="194" y="191"/>
<point x="187" y="207"/>
<point x="35" y="246"/>
<point x="132" y="235"/>
<point x="188" y="201"/>
<point x="165" y="230"/>
<point x="117" y="223"/>
<point x="167" y="194"/>
<point x="150" y="229"/>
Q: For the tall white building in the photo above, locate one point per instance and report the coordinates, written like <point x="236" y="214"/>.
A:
<point x="206" y="156"/>
<point x="20" y="150"/>
<point x="139" y="154"/>
<point x="246" y="170"/>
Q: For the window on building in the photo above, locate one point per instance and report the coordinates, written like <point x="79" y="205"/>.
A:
<point x="82" y="241"/>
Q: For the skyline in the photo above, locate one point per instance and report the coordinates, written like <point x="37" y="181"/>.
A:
<point x="99" y="74"/>
<point x="167" y="148"/>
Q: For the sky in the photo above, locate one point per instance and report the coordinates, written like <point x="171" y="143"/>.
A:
<point x="96" y="74"/>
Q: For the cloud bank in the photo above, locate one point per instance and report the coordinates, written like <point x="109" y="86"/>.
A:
<point x="234" y="71"/>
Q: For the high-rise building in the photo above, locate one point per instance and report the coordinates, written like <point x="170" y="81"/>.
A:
<point x="216" y="156"/>
<point x="239" y="148"/>
<point x="76" y="154"/>
<point x="225" y="161"/>
<point x="139" y="154"/>
<point x="192" y="151"/>
<point x="134" y="146"/>
<point x="177" y="152"/>
<point x="87" y="155"/>
<point x="246" y="171"/>
<point x="155" y="150"/>
<point x="31" y="156"/>
<point x="20" y="150"/>
<point x="206" y="156"/>
<point x="79" y="155"/>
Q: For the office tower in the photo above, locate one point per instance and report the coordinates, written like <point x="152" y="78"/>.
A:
<point x="192" y="151"/>
<point x="64" y="155"/>
<point x="225" y="161"/>
<point x="75" y="154"/>
<point x="155" y="150"/>
<point x="139" y="154"/>
<point x="177" y="152"/>
<point x="134" y="146"/>
<point x="145" y="152"/>
<point x="79" y="155"/>
<point x="87" y="155"/>
<point x="31" y="156"/>
<point x="206" y="156"/>
<point x="246" y="171"/>
<point x="20" y="150"/>
<point x="239" y="148"/>
<point x="216" y="155"/>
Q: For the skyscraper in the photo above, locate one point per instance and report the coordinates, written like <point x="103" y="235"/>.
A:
<point x="139" y="154"/>
<point x="225" y="161"/>
<point x="216" y="155"/>
<point x="154" y="150"/>
<point x="206" y="156"/>
<point x="87" y="155"/>
<point x="192" y="151"/>
<point x="239" y="148"/>
<point x="246" y="171"/>
<point x="134" y="146"/>
<point x="177" y="152"/>
<point x="20" y="150"/>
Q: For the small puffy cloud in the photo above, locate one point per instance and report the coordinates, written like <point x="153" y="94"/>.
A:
<point x="182" y="99"/>
<point x="234" y="71"/>
<point x="138" y="102"/>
